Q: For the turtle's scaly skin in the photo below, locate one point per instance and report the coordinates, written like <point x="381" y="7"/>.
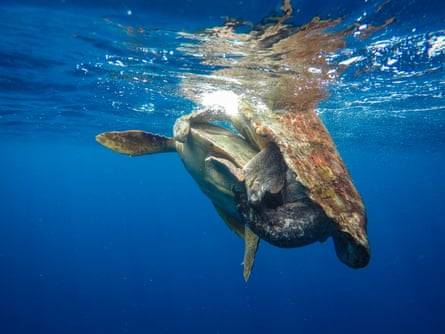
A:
<point x="308" y="150"/>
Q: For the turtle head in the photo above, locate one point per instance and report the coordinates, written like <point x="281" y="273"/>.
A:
<point x="351" y="251"/>
<point x="181" y="129"/>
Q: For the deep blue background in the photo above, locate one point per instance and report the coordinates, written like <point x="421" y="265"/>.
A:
<point x="95" y="242"/>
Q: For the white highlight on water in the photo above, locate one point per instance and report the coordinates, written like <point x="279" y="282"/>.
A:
<point x="222" y="98"/>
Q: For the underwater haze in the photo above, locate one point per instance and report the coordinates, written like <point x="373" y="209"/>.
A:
<point x="96" y="242"/>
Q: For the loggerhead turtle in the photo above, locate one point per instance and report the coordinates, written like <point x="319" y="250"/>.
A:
<point x="297" y="188"/>
<point x="199" y="143"/>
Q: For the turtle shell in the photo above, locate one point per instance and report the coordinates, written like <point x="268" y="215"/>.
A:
<point x="310" y="153"/>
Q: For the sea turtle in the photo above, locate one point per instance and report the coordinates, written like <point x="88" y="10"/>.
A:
<point x="280" y="179"/>
<point x="199" y="145"/>
<point x="307" y="195"/>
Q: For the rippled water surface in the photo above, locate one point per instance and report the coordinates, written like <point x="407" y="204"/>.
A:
<point x="67" y="70"/>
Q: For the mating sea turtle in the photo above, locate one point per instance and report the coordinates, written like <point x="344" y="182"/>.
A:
<point x="200" y="145"/>
<point x="297" y="188"/>
<point x="281" y="179"/>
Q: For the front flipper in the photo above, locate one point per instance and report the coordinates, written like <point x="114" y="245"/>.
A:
<point x="251" y="240"/>
<point x="264" y="173"/>
<point x="226" y="167"/>
<point x="251" y="246"/>
<point x="136" y="142"/>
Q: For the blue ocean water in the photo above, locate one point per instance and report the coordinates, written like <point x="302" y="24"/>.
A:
<point x="96" y="242"/>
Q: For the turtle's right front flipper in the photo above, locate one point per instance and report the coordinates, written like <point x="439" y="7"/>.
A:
<point x="136" y="142"/>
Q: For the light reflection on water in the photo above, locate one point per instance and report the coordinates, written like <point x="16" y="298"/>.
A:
<point x="394" y="65"/>
<point x="116" y="75"/>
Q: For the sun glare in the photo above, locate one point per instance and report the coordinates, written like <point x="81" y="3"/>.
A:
<point x="222" y="98"/>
